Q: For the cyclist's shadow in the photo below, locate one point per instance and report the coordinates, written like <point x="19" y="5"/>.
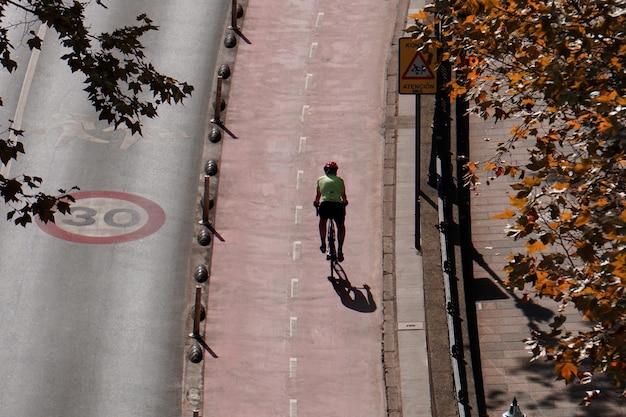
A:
<point x="351" y="297"/>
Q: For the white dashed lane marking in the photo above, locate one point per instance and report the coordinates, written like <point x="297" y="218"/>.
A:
<point x="298" y="214"/>
<point x="302" y="147"/>
<point x="293" y="326"/>
<point x="318" y="21"/>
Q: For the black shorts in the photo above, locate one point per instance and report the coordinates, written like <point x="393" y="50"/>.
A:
<point x="333" y="210"/>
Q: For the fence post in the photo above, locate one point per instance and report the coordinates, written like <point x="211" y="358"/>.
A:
<point x="197" y="311"/>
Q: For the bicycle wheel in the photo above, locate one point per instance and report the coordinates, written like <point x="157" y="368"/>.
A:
<point x="332" y="250"/>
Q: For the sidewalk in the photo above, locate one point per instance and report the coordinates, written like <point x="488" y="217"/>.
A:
<point x="503" y="319"/>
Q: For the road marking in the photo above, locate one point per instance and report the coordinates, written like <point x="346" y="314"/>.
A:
<point x="77" y="126"/>
<point x="21" y="102"/>
<point x="313" y="50"/>
<point x="298" y="214"/>
<point x="297" y="250"/>
<point x="293" y="408"/>
<point x="299" y="179"/>
<point x="302" y="147"/>
<point x="307" y="81"/>
<point x="293" y="367"/>
<point x="305" y="112"/>
<point x="318" y="22"/>
<point x="293" y="326"/>
<point x="105" y="217"/>
<point x="294" y="287"/>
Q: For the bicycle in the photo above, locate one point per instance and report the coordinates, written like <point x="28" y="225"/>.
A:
<point x="331" y="248"/>
<point x="331" y="255"/>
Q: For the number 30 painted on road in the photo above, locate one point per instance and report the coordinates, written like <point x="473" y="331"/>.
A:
<point x="105" y="217"/>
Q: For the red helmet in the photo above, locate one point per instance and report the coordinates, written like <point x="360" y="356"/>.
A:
<point x="331" y="167"/>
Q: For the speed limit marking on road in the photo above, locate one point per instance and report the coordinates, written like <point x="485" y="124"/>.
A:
<point x="104" y="217"/>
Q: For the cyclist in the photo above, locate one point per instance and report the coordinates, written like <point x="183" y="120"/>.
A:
<point x="332" y="201"/>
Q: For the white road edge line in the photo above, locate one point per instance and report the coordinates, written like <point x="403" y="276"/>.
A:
<point x="21" y="102"/>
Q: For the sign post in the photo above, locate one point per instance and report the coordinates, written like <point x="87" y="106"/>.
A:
<point x="417" y="75"/>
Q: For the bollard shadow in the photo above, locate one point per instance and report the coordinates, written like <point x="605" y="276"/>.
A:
<point x="351" y="297"/>
<point x="206" y="347"/>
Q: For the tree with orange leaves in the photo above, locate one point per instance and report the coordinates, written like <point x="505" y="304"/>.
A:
<point x="559" y="68"/>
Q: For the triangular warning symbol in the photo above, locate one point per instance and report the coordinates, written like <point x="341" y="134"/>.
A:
<point x="418" y="69"/>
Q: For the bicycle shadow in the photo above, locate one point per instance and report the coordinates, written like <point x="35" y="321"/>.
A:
<point x="350" y="296"/>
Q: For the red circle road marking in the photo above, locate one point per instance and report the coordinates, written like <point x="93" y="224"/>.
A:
<point x="105" y="217"/>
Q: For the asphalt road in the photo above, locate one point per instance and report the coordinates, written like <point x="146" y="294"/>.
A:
<point x="92" y="311"/>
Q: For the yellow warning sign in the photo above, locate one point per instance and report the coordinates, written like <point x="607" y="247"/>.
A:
<point x="417" y="69"/>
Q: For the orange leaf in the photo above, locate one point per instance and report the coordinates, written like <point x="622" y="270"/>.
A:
<point x="422" y="15"/>
<point x="583" y="218"/>
<point x="535" y="246"/>
<point x="531" y="181"/>
<point x="506" y="214"/>
<point x="489" y="165"/>
<point x="567" y="371"/>
<point x="561" y="185"/>
<point x="518" y="202"/>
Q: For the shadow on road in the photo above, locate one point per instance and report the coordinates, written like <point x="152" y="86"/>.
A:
<point x="351" y="297"/>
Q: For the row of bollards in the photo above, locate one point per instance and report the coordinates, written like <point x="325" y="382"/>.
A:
<point x="223" y="73"/>
<point x="197" y="313"/>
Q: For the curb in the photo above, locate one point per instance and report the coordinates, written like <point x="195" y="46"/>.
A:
<point x="390" y="358"/>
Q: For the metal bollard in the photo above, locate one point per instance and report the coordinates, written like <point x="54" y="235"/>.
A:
<point x="224" y="71"/>
<point x="201" y="274"/>
<point x="195" y="353"/>
<point x="514" y="410"/>
<point x="210" y="168"/>
<point x="204" y="237"/>
<point x="215" y="136"/>
<point x="230" y="41"/>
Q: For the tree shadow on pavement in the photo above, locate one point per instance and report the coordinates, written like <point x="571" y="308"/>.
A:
<point x="545" y="396"/>
<point x="351" y="297"/>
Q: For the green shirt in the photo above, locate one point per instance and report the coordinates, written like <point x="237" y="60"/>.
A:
<point x="331" y="187"/>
